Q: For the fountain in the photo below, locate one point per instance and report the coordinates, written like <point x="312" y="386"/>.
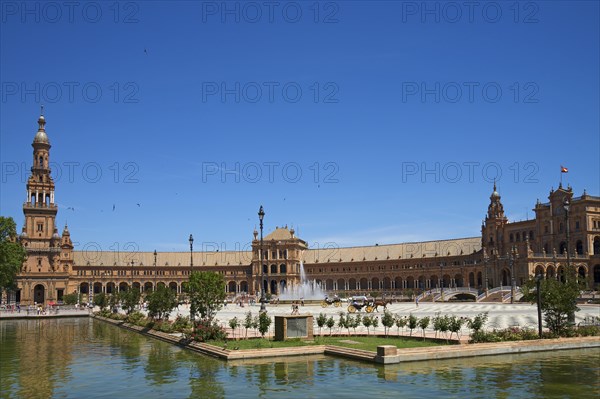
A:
<point x="307" y="289"/>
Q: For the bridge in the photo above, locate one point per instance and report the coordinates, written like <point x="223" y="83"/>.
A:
<point x="500" y="294"/>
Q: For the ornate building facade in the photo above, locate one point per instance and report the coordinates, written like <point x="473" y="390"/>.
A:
<point x="565" y="233"/>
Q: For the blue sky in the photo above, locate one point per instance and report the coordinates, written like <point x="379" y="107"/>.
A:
<point x="356" y="122"/>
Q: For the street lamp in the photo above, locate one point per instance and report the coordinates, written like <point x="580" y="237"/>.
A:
<point x="192" y="309"/>
<point x="566" y="206"/>
<point x="538" y="280"/>
<point x="263" y="299"/>
<point x="155" y="272"/>
<point x="131" y="274"/>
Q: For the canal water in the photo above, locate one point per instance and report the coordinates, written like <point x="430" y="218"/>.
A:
<point x="86" y="358"/>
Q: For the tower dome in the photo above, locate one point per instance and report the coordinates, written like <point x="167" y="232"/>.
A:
<point x="41" y="137"/>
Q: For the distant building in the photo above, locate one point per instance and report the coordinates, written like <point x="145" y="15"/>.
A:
<point x="522" y="249"/>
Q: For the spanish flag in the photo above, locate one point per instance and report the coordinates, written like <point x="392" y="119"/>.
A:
<point x="563" y="169"/>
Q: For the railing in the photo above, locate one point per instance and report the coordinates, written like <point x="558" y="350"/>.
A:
<point x="507" y="296"/>
<point x="456" y="290"/>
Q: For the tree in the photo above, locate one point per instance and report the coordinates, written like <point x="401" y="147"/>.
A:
<point x="12" y="253"/>
<point x="424" y="323"/>
<point x="248" y="322"/>
<point x="70" y="299"/>
<point x="207" y="294"/>
<point x="330" y="324"/>
<point x="477" y="322"/>
<point x="367" y="322"/>
<point x="401" y="322"/>
<point x="342" y="321"/>
<point x="558" y="300"/>
<point x="100" y="300"/>
<point x="264" y="321"/>
<point x="387" y="320"/>
<point x="130" y="299"/>
<point x="161" y="302"/>
<point x="321" y="321"/>
<point x="233" y="324"/>
<point x="412" y="323"/>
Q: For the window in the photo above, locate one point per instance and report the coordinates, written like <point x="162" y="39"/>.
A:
<point x="577" y="225"/>
<point x="40" y="227"/>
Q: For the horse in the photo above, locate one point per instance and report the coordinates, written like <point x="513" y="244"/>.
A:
<point x="381" y="302"/>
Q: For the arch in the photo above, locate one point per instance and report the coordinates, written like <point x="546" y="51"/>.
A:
<point x="479" y="279"/>
<point x="596" y="274"/>
<point x="434" y="281"/>
<point x="123" y="286"/>
<point x="511" y="237"/>
<point x="505" y="277"/>
<point x="231" y="287"/>
<point x="84" y="288"/>
<point x="173" y="286"/>
<point x="539" y="271"/>
<point x="581" y="273"/>
<point x="387" y="283"/>
<point x="273" y="269"/>
<point x="352" y="284"/>
<point x="97" y="288"/>
<point x="110" y="288"/>
<point x="560" y="273"/>
<point x="446" y="280"/>
<point x="341" y="284"/>
<point x="148" y="286"/>
<point x="410" y="282"/>
<point x="160" y="284"/>
<point x="531" y="235"/>
<point x="472" y="279"/>
<point x="274" y="286"/>
<point x="136" y="286"/>
<point x="375" y="283"/>
<point x="550" y="272"/>
<point x="597" y="245"/>
<point x="398" y="282"/>
<point x="421" y="281"/>
<point x="39" y="293"/>
<point x="244" y="286"/>
<point x="265" y="269"/>
<point x="329" y="284"/>
<point x="364" y="284"/>
<point x="282" y="285"/>
<point x="562" y="247"/>
<point x="579" y="247"/>
<point x="283" y="268"/>
<point x="458" y="280"/>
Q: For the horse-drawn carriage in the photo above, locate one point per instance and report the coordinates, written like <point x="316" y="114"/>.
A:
<point x="335" y="301"/>
<point x="356" y="303"/>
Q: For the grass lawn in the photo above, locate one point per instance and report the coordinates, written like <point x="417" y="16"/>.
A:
<point x="357" y="342"/>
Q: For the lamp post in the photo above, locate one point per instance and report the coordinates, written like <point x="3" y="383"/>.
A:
<point x="263" y="299"/>
<point x="131" y="279"/>
<point x="192" y="309"/>
<point x="155" y="272"/>
<point x="538" y="280"/>
<point x="566" y="206"/>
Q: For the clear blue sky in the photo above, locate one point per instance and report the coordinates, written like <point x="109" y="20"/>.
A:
<point x="200" y="114"/>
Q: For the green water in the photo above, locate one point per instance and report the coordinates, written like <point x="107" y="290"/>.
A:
<point x="84" y="358"/>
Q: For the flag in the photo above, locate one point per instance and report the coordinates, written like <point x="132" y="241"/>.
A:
<point x="563" y="169"/>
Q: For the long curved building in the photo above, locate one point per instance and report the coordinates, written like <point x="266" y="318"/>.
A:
<point x="506" y="254"/>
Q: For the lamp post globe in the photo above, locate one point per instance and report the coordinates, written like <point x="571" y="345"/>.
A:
<point x="263" y="299"/>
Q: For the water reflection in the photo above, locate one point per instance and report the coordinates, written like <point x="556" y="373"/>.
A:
<point x="75" y="358"/>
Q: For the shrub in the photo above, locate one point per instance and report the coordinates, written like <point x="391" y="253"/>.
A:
<point x="321" y="321"/>
<point x="477" y="323"/>
<point x="135" y="318"/>
<point x="412" y="323"/>
<point x="589" y="331"/>
<point x="424" y="323"/>
<point x="181" y="323"/>
<point x="387" y="320"/>
<point x="264" y="321"/>
<point x="208" y="330"/>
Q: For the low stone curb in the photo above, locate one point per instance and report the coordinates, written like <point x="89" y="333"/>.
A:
<point x="386" y="354"/>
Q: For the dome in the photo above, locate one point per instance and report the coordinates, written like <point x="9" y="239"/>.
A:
<point x="23" y="234"/>
<point x="41" y="136"/>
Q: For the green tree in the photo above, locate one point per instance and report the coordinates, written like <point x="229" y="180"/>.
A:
<point x="100" y="300"/>
<point x="558" y="300"/>
<point x="70" y="299"/>
<point x="130" y="299"/>
<point x="388" y="321"/>
<point x="330" y="324"/>
<point x="161" y="302"/>
<point x="342" y="321"/>
<point x="233" y="324"/>
<point x="400" y="322"/>
<point x="477" y="322"/>
<point x="12" y="254"/>
<point x="248" y="320"/>
<point x="423" y="324"/>
<point x="412" y="323"/>
<point x="207" y="294"/>
<point x="367" y="321"/>
<point x="264" y="321"/>
<point x="321" y="321"/>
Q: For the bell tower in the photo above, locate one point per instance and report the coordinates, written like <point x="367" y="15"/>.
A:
<point x="44" y="274"/>
<point x="493" y="226"/>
